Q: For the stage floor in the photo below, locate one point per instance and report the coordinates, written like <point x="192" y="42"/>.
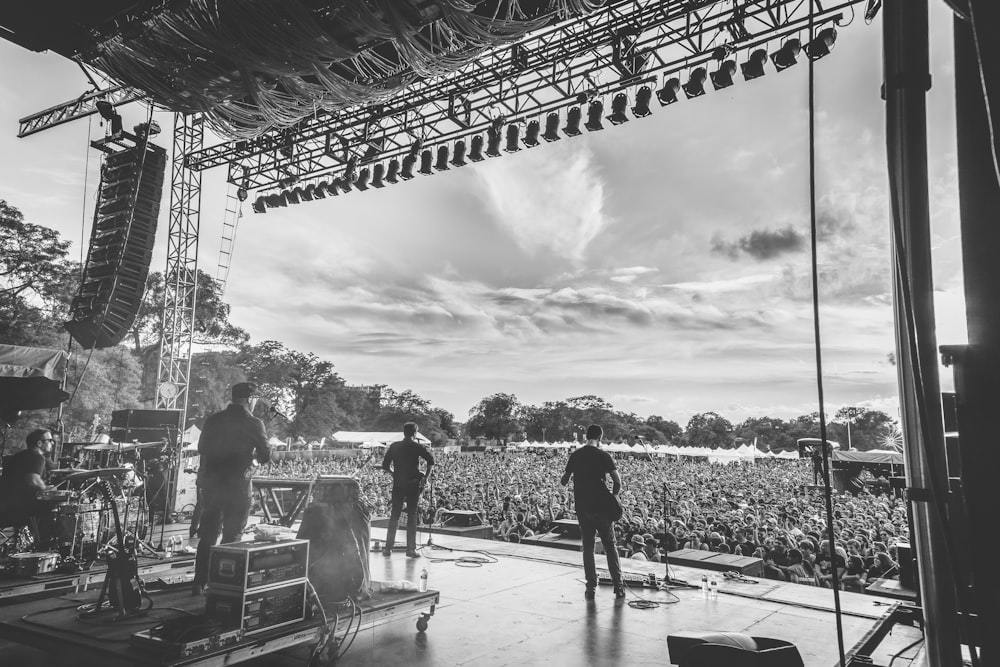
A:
<point x="527" y="608"/>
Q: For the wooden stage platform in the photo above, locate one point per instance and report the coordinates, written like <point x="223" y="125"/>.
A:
<point x="527" y="608"/>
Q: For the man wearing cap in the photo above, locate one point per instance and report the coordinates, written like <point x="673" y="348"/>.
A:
<point x="229" y="441"/>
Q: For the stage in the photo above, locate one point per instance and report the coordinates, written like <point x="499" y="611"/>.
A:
<point x="528" y="608"/>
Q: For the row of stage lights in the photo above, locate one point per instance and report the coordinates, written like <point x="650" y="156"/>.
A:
<point x="497" y="141"/>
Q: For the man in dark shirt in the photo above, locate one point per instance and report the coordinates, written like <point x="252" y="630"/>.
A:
<point x="22" y="480"/>
<point x="588" y="466"/>
<point x="402" y="459"/>
<point x="229" y="441"/>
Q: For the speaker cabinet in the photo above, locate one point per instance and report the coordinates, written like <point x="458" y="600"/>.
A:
<point x="121" y="246"/>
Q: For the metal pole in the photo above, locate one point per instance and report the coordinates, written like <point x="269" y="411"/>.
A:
<point x="907" y="79"/>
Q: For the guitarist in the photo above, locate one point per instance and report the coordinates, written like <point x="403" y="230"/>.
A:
<point x="402" y="459"/>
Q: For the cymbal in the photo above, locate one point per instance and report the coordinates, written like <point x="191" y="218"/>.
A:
<point x="101" y="447"/>
<point x="128" y="446"/>
<point x="81" y="475"/>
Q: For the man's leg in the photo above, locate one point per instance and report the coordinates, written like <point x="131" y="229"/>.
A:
<point x="587" y="534"/>
<point x="607" y="533"/>
<point x="211" y="524"/>
<point x="235" y="516"/>
<point x="412" y="516"/>
<point x="394" y="512"/>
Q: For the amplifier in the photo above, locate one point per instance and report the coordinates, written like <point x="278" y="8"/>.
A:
<point x="249" y="565"/>
<point x="258" y="610"/>
<point x="180" y="642"/>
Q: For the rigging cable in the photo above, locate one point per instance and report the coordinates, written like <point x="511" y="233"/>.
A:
<point x="818" y="346"/>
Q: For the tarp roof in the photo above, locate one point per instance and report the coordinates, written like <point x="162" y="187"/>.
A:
<point x="30" y="379"/>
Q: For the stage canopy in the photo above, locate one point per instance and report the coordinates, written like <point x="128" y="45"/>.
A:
<point x="366" y="438"/>
<point x="30" y="379"/>
<point x="874" y="456"/>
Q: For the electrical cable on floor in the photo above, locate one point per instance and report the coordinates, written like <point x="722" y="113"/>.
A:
<point x="485" y="558"/>
<point x="899" y="654"/>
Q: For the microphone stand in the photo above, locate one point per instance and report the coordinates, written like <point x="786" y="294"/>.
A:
<point x="667" y="579"/>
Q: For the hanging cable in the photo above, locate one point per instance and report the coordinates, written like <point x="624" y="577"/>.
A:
<point x="813" y="235"/>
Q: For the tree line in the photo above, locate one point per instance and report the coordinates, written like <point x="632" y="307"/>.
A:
<point x="303" y="395"/>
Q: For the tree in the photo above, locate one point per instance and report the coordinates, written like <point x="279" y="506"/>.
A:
<point x="495" y="417"/>
<point x="868" y="428"/>
<point x="36" y="282"/>
<point x="211" y="316"/>
<point x="767" y="432"/>
<point x="708" y="429"/>
<point x="670" y="431"/>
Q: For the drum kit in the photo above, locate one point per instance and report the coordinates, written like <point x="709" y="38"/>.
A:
<point x="74" y="515"/>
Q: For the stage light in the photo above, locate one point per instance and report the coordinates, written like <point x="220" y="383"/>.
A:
<point x="594" y="113"/>
<point x="242" y="194"/>
<point x="476" y="149"/>
<point x="319" y="192"/>
<point x="787" y="55"/>
<point x="442" y="158"/>
<point x="459" y="158"/>
<point x="275" y="201"/>
<point x="426" y="162"/>
<point x="723" y="77"/>
<point x="618" y="105"/>
<point x="551" y="127"/>
<point x="307" y="192"/>
<point x="493" y="141"/>
<point x="513" y="135"/>
<point x="259" y="206"/>
<point x="378" y="173"/>
<point x="753" y="68"/>
<point x="292" y="196"/>
<point x="531" y="134"/>
<point x="392" y="174"/>
<point x="363" y="177"/>
<point x="822" y="44"/>
<point x="668" y="94"/>
<point x="642" y="98"/>
<point x="695" y="86"/>
<point x="573" y="117"/>
<point x="406" y="172"/>
<point x="107" y="111"/>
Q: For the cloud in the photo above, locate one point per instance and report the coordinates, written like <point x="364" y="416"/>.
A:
<point x="761" y="244"/>
<point x="549" y="201"/>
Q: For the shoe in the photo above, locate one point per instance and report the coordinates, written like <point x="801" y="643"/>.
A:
<point x="412" y="554"/>
<point x="386" y="552"/>
<point x="619" y="592"/>
<point x="589" y="593"/>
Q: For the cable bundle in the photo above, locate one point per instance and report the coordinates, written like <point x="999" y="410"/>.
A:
<point x="250" y="66"/>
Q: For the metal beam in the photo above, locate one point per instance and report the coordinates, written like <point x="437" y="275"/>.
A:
<point x="550" y="70"/>
<point x="81" y="107"/>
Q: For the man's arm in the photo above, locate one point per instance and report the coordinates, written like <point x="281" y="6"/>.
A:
<point x="566" y="475"/>
<point x="258" y="436"/>
<point x="387" y="459"/>
<point x="616" y="481"/>
<point x="426" y="455"/>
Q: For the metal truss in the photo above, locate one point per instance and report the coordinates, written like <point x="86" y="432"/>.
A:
<point x="230" y="225"/>
<point x="83" y="106"/>
<point x="625" y="46"/>
<point x="181" y="277"/>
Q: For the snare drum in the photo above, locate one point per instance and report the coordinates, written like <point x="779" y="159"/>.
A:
<point x="27" y="565"/>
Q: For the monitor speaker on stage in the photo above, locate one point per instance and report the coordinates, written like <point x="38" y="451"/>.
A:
<point x="121" y="246"/>
<point x="145" y="425"/>
<point x="460" y="518"/>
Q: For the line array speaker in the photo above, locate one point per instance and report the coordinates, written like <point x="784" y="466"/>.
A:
<point x="121" y="246"/>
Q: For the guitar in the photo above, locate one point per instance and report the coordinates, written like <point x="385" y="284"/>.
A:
<point x="121" y="583"/>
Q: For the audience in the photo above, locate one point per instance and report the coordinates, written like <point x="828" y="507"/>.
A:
<point x="763" y="509"/>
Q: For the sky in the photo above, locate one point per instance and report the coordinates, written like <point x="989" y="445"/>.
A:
<point x="662" y="265"/>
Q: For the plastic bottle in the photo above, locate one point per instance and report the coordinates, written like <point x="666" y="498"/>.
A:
<point x="704" y="586"/>
<point x="423" y="580"/>
<point x="170" y="546"/>
<point x="713" y="587"/>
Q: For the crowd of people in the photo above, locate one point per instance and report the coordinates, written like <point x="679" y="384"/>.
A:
<point x="765" y="509"/>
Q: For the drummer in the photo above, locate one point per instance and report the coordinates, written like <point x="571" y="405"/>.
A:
<point x="23" y="479"/>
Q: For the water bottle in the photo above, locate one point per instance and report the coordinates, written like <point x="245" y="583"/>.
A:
<point x="170" y="547"/>
<point x="423" y="580"/>
<point x="713" y="587"/>
<point x="704" y="586"/>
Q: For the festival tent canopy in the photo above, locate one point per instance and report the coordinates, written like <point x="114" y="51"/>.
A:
<point x="874" y="456"/>
<point x="192" y="434"/>
<point x="383" y="437"/>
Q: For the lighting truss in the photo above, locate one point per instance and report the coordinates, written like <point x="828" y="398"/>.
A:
<point x="620" y="48"/>
<point x="83" y="106"/>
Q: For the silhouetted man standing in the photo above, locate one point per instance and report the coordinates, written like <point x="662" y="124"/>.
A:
<point x="596" y="507"/>
<point x="229" y="441"/>
<point x="402" y="459"/>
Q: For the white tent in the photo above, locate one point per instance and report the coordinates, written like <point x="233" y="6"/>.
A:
<point x="192" y="434"/>
<point x="359" y="438"/>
